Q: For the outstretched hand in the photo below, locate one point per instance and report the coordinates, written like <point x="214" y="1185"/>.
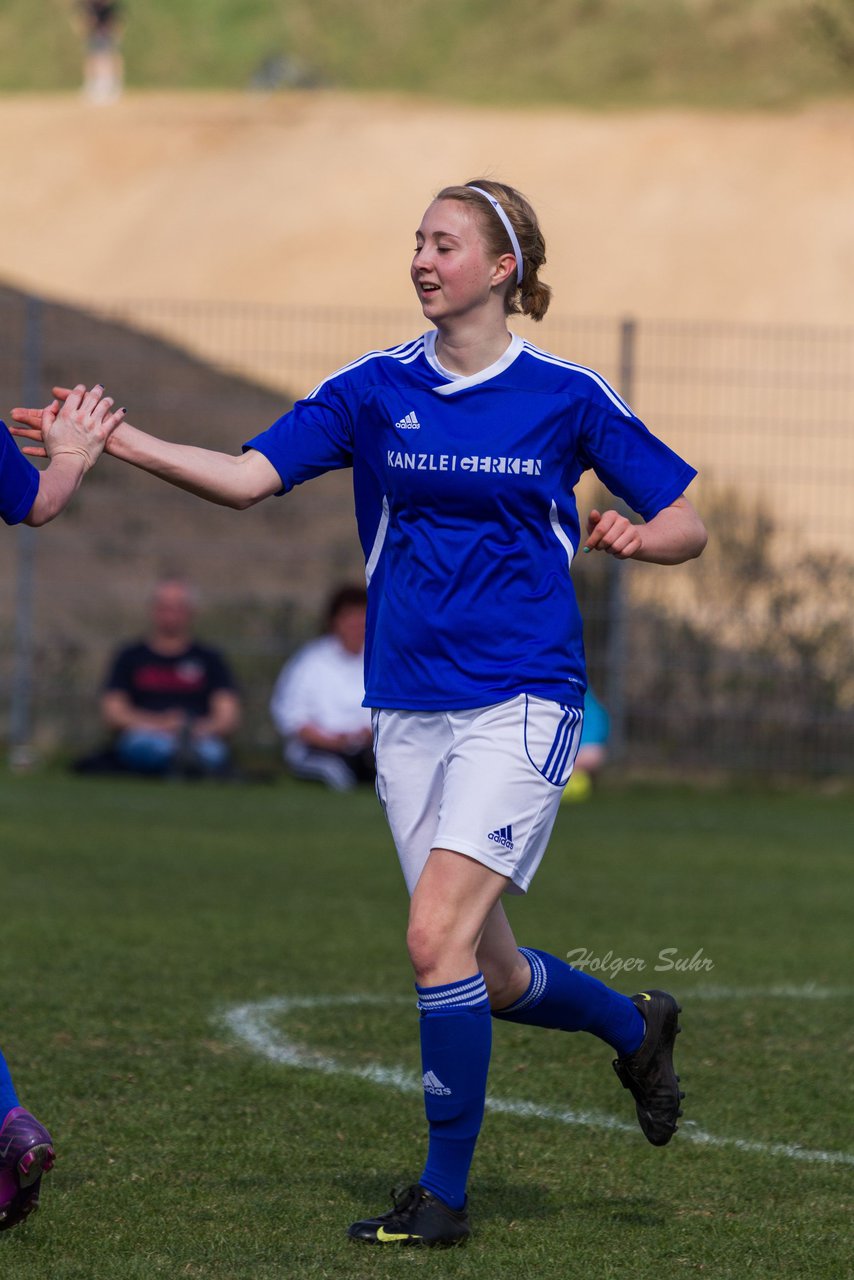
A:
<point x="76" y="421"/>
<point x="615" y="534"/>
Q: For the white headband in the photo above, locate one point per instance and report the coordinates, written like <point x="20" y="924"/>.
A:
<point x="508" y="227"/>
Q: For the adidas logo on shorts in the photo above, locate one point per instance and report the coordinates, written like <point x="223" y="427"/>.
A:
<point x="503" y="836"/>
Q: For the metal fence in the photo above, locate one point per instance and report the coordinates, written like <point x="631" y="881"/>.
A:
<point x="742" y="660"/>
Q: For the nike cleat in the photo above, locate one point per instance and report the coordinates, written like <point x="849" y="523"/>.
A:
<point x="26" y="1152"/>
<point x="649" y="1073"/>
<point x="418" y="1217"/>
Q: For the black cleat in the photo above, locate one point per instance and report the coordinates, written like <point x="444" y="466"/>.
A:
<point x="418" y="1217"/>
<point x="648" y="1072"/>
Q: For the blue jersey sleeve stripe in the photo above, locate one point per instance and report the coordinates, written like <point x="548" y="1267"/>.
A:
<point x="411" y="349"/>
<point x="580" y="368"/>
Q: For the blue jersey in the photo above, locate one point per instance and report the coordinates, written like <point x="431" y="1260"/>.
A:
<point x="19" y="480"/>
<point x="466" y="512"/>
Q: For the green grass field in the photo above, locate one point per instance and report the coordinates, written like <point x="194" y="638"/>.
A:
<point x="718" y="53"/>
<point x="137" y="917"/>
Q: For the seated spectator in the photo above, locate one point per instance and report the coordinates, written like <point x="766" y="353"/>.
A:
<point x="593" y="751"/>
<point x="171" y="702"/>
<point x="317" y="701"/>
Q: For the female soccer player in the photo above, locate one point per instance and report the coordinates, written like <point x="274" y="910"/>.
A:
<point x="74" y="436"/>
<point x="466" y="444"/>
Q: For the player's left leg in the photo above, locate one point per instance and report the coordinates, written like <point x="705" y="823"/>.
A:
<point x="540" y="990"/>
<point x="547" y="992"/>
<point x="26" y="1152"/>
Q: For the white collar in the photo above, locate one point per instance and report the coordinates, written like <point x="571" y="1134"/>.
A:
<point x="458" y="381"/>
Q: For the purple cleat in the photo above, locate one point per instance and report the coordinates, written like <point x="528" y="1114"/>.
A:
<point x="26" y="1152"/>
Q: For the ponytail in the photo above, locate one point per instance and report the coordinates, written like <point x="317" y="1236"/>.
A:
<point x="529" y="296"/>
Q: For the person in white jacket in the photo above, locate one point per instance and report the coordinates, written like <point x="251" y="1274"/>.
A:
<point x="317" y="700"/>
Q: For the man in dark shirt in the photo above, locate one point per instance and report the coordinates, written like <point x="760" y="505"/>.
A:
<point x="171" y="703"/>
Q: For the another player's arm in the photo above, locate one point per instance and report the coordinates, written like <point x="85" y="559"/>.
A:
<point x="229" y="481"/>
<point x="672" y="536"/>
<point x="73" y="435"/>
<point x="57" y="486"/>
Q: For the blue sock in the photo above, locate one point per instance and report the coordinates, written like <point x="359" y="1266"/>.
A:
<point x="567" y="999"/>
<point x="456" y="1039"/>
<point x="8" y="1096"/>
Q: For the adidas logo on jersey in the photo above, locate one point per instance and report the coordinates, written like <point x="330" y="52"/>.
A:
<point x="503" y="836"/>
<point x="408" y="423"/>
<point x="432" y="1084"/>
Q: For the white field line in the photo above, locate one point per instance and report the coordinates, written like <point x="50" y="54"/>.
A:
<point x="807" y="991"/>
<point x="257" y="1026"/>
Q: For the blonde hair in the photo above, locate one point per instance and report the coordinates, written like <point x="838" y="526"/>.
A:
<point x="529" y="296"/>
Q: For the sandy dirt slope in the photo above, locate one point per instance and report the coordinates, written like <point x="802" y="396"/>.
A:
<point x="311" y="199"/>
<point x="314" y="197"/>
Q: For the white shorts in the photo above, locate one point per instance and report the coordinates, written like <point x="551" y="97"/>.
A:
<point x="485" y="782"/>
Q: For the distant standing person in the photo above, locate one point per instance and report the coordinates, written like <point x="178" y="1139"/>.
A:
<point x="103" y="70"/>
<point x="74" y="438"/>
<point x="171" y="702"/>
<point x="317" y="701"/>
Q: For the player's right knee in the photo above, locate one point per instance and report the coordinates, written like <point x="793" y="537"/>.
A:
<point x="424" y="945"/>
